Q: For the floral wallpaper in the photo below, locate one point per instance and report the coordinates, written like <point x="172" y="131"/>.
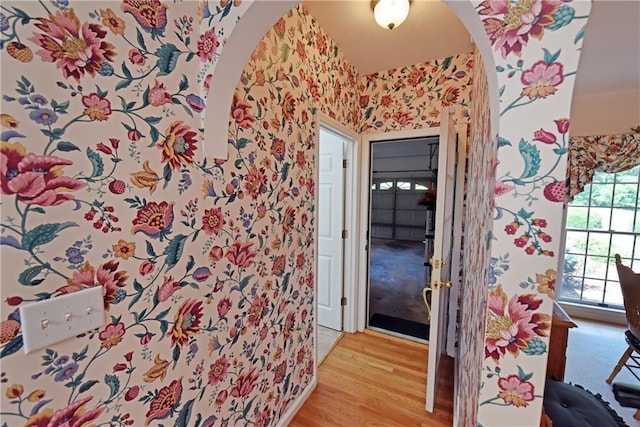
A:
<point x="207" y="265"/>
<point x="481" y="161"/>
<point x="412" y="97"/>
<point x="536" y="51"/>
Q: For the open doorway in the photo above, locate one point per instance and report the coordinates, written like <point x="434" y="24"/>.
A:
<point x="401" y="223"/>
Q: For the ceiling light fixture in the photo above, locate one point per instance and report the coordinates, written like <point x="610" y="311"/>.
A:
<point x="390" y="13"/>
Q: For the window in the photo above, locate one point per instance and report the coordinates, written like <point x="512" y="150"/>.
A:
<point x="602" y="221"/>
<point x="403" y="185"/>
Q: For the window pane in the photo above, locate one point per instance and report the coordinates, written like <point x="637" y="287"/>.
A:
<point x="622" y="244"/>
<point x="571" y="288"/>
<point x="598" y="244"/>
<point x="403" y="185"/>
<point x="625" y="195"/>
<point x="576" y="242"/>
<point x="613" y="294"/>
<point x="630" y="175"/>
<point x="577" y="217"/>
<point x="593" y="290"/>
<point x="574" y="265"/>
<point x="596" y="267"/>
<point x="386" y="185"/>
<point x="422" y="183"/>
<point x="622" y="220"/>
<point x="599" y="218"/>
<point x="603" y="177"/>
<point x="373" y="186"/>
<point x="601" y="195"/>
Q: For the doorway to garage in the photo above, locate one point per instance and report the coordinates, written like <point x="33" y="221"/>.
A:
<point x="402" y="210"/>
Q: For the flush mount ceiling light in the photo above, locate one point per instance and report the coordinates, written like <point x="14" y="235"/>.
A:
<point x="390" y="13"/>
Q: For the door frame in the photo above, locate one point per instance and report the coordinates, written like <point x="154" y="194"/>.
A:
<point x="364" y="203"/>
<point x="351" y="218"/>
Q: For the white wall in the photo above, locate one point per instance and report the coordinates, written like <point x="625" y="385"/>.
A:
<point x="605" y="113"/>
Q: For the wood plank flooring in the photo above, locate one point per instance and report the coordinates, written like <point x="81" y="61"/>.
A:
<point x="371" y="379"/>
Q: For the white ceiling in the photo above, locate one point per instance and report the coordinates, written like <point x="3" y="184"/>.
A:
<point x="610" y="60"/>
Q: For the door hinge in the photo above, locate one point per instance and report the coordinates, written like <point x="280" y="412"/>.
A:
<point x="436" y="263"/>
<point x="345" y="163"/>
<point x="344" y="234"/>
<point x="343" y="301"/>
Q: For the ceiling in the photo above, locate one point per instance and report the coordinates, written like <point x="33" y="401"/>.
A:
<point x="610" y="60"/>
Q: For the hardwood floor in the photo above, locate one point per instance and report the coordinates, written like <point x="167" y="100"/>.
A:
<point x="371" y="379"/>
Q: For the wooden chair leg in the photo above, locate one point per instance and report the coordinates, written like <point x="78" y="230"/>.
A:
<point x="620" y="364"/>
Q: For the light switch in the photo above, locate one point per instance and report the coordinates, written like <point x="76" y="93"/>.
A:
<point x="47" y="322"/>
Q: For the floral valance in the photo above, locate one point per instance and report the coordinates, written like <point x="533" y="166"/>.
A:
<point x="603" y="153"/>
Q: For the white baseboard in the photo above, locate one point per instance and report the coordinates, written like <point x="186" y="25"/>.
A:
<point x="600" y="314"/>
<point x="293" y="410"/>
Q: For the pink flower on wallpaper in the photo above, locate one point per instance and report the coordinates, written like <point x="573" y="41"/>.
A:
<point x="257" y="311"/>
<point x="240" y="112"/>
<point x="150" y="14"/>
<point x="179" y="145"/>
<point x="255" y="182"/>
<point x="544" y="136"/>
<point x="502" y="188"/>
<point x="136" y="57"/>
<point x="75" y="48"/>
<point x="521" y="20"/>
<point x="289" y="324"/>
<point x="512" y="323"/>
<point x="241" y="254"/>
<point x="541" y="79"/>
<point x="218" y="370"/>
<point x="35" y="179"/>
<point x="288" y="219"/>
<point x="212" y="220"/>
<point x="288" y="106"/>
<point x="223" y="307"/>
<point x="168" y="288"/>
<point x="186" y="322"/>
<point x="165" y="401"/>
<point x="278" y="148"/>
<point x="111" y="335"/>
<point x="403" y="118"/>
<point x="158" y="94"/>
<point x="515" y="391"/>
<point x="106" y="275"/>
<point x="208" y="44"/>
<point x="244" y="383"/>
<point x="96" y="108"/>
<point x="73" y="415"/>
<point x="154" y="219"/>
<point x="450" y="96"/>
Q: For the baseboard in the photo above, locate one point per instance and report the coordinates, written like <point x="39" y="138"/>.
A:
<point x="293" y="410"/>
<point x="600" y="314"/>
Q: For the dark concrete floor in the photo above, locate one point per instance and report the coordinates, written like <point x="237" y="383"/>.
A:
<point x="396" y="279"/>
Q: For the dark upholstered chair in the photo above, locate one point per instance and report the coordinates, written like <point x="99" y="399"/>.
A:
<point x="630" y="285"/>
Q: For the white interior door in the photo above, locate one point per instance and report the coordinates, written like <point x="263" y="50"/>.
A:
<point x="330" y="224"/>
<point x="441" y="259"/>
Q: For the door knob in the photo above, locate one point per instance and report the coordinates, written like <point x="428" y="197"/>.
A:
<point x="446" y="283"/>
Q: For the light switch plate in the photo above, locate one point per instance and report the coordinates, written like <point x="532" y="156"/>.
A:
<point x="56" y="319"/>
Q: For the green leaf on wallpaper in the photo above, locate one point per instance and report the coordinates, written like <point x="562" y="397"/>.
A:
<point x="285" y="171"/>
<point x="43" y="234"/>
<point x="168" y="56"/>
<point x="549" y="57"/>
<point x="284" y="52"/>
<point x="114" y="384"/>
<point x="96" y="163"/>
<point x="245" y="282"/>
<point x="67" y="146"/>
<point x="38" y="209"/>
<point x="285" y="283"/>
<point x="531" y="157"/>
<point x="367" y="113"/>
<point x="174" y="250"/>
<point x="501" y="90"/>
<point x="86" y="386"/>
<point x="53" y="133"/>
<point x="191" y="263"/>
<point x="241" y="143"/>
<point x="524" y="214"/>
<point x="140" y="39"/>
<point x="176" y="355"/>
<point x="503" y="142"/>
<point x="150" y="250"/>
<point x="152" y="120"/>
<point x="247" y="408"/>
<point x="125" y="71"/>
<point x="184" y="83"/>
<point x="28" y="277"/>
<point x="11" y="347"/>
<point x="185" y="414"/>
<point x="155" y="135"/>
<point x="560" y="151"/>
<point x="123" y="83"/>
<point x="446" y="63"/>
<point x="524" y="376"/>
<point x="579" y="36"/>
<point x="226" y="10"/>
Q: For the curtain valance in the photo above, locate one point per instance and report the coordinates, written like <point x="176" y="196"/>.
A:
<point x="604" y="153"/>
